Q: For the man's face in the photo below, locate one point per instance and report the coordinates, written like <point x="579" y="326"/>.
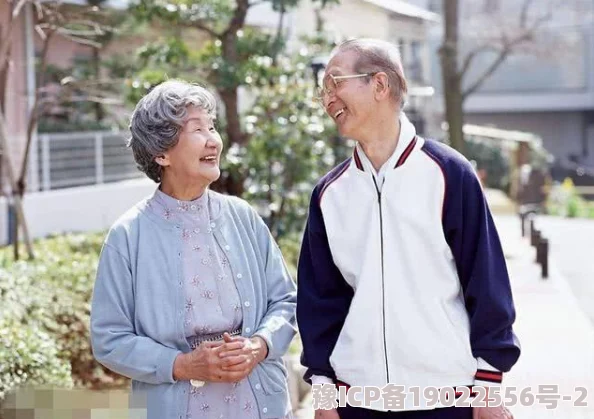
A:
<point x="349" y="102"/>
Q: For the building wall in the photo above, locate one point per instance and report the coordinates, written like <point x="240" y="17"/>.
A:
<point x="88" y="208"/>
<point x="16" y="112"/>
<point x="561" y="132"/>
<point x="350" y="18"/>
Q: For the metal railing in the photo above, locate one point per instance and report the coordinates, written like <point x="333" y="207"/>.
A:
<point x="64" y="160"/>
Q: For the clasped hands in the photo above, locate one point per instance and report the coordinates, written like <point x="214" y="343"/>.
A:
<point x="228" y="361"/>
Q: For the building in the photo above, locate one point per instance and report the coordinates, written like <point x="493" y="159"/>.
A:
<point x="545" y="87"/>
<point x="89" y="170"/>
<point x="399" y="22"/>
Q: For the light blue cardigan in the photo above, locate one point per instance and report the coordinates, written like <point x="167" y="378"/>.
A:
<point x="137" y="309"/>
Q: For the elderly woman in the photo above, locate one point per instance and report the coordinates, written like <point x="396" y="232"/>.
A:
<point x="192" y="300"/>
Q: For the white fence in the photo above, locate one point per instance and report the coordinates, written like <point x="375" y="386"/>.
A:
<point x="66" y="160"/>
<point x="85" y="208"/>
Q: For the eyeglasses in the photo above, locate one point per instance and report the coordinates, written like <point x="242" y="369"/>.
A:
<point x="331" y="83"/>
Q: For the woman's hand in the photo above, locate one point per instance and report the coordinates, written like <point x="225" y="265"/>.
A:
<point x="206" y="364"/>
<point x="244" y="359"/>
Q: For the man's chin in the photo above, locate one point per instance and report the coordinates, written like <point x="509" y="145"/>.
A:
<point x="342" y="131"/>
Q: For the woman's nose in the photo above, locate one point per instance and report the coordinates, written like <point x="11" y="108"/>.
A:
<point x="214" y="141"/>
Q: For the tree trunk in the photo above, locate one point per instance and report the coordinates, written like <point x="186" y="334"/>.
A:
<point x="96" y="60"/>
<point x="452" y="81"/>
<point x="234" y="182"/>
<point x="18" y="202"/>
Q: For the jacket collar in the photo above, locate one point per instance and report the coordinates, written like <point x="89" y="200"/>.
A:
<point x="406" y="144"/>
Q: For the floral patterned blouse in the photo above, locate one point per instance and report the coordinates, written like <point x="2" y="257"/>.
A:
<point x="212" y="302"/>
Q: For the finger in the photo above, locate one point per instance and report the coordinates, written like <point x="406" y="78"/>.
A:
<point x="475" y="413"/>
<point x="247" y="365"/>
<point x="226" y="347"/>
<point x="227" y="337"/>
<point x="235" y="352"/>
<point x="234" y="360"/>
<point x="210" y="344"/>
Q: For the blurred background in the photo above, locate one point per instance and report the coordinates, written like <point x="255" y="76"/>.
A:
<point x="508" y="83"/>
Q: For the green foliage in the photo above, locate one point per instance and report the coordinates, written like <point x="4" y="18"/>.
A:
<point x="185" y="13"/>
<point x="254" y="66"/>
<point x="29" y="356"/>
<point x="565" y="201"/>
<point x="489" y="156"/>
<point x="291" y="145"/>
<point x="49" y="299"/>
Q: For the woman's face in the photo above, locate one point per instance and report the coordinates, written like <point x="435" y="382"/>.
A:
<point x="196" y="156"/>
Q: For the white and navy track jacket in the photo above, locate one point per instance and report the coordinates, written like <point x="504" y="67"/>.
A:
<point x="407" y="285"/>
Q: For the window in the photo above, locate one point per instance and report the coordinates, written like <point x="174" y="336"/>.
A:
<point x="491" y="6"/>
<point x="401" y="46"/>
<point x="415" y="67"/>
<point x="435" y="6"/>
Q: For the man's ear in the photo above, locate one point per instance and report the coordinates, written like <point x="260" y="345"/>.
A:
<point x="382" y="86"/>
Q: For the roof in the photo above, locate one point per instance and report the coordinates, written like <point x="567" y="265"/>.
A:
<point x="406" y="9"/>
<point x="110" y="4"/>
<point x="501" y="134"/>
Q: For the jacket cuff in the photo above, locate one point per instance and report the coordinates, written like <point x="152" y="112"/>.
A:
<point x="165" y="365"/>
<point x="266" y="335"/>
<point x="487" y="375"/>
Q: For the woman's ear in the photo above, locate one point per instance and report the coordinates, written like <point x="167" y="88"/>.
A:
<point x="162" y="160"/>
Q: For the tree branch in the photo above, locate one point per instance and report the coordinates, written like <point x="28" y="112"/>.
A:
<point x="34" y="115"/>
<point x="238" y="18"/>
<point x="201" y="26"/>
<point x="471" y="56"/>
<point x="17" y="8"/>
<point x="507" y="48"/>
<point x="81" y="41"/>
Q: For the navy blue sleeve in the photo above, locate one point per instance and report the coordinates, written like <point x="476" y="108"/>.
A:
<point x="323" y="296"/>
<point x="471" y="234"/>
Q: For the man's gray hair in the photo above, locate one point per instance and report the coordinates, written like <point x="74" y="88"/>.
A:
<point x="159" y="118"/>
<point x="375" y="55"/>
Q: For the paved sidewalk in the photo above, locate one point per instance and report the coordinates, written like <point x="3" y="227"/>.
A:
<point x="556" y="336"/>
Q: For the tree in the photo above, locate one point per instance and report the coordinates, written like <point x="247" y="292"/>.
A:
<point x="496" y="37"/>
<point x="234" y="56"/>
<point x="51" y="19"/>
<point x="289" y="148"/>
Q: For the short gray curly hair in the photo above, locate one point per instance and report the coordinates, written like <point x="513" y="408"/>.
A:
<point x="158" y="119"/>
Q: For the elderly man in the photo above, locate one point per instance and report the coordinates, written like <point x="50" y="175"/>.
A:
<point x="402" y="279"/>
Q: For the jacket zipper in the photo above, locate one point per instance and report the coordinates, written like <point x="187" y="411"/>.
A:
<point x="379" y="201"/>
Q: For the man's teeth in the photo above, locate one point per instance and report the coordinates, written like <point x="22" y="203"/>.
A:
<point x="338" y="113"/>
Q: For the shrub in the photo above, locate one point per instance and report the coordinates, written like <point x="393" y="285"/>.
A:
<point x="50" y="298"/>
<point x="28" y="355"/>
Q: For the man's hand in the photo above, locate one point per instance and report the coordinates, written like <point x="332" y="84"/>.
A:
<point x="326" y="414"/>
<point x="492" y="412"/>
